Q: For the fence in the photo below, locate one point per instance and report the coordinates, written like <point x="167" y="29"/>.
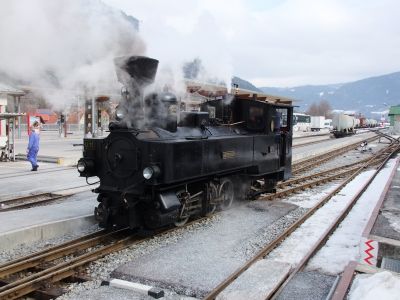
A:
<point x="56" y="127"/>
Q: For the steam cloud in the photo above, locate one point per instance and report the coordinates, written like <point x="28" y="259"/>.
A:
<point x="64" y="47"/>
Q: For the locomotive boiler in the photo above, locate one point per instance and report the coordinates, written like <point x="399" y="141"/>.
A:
<point x="160" y="166"/>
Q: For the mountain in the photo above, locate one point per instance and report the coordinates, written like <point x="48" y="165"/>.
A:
<point x="367" y="96"/>
<point x="244" y="84"/>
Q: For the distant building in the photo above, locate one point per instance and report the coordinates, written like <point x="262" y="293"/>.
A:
<point x="394" y="116"/>
<point x="8" y="92"/>
<point x="47" y="115"/>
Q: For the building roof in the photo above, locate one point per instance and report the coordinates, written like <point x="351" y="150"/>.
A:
<point x="9" y="90"/>
<point x="45" y="111"/>
<point x="11" y="115"/>
<point x="205" y="89"/>
<point x="394" y="110"/>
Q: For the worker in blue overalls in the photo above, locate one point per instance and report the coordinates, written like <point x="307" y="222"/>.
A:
<point x="33" y="146"/>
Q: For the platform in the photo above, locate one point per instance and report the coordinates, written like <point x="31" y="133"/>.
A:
<point x="380" y="245"/>
<point x="44" y="222"/>
<point x="384" y="225"/>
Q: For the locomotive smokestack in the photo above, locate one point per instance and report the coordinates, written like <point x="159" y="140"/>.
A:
<point x="140" y="69"/>
<point x="135" y="73"/>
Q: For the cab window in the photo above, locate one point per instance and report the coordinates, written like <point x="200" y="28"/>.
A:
<point x="256" y="116"/>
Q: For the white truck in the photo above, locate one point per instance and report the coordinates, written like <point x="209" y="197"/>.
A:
<point x="317" y="123"/>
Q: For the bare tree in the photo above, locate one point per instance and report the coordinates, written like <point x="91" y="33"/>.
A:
<point x="322" y="108"/>
<point x="313" y="110"/>
<point x="325" y="109"/>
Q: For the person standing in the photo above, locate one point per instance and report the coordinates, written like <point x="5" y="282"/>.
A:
<point x="33" y="146"/>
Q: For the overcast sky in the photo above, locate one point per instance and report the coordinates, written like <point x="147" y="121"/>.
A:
<point x="274" y="42"/>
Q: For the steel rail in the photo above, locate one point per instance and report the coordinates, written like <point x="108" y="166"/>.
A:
<point x="316" y="160"/>
<point x="338" y="220"/>
<point x="36" y="199"/>
<point x="315" y="179"/>
<point x="29" y="201"/>
<point x="297" y="180"/>
<point x="65" y="244"/>
<point x="56" y="252"/>
<point x="266" y="250"/>
<point x="58" y="272"/>
<point x="311" y="136"/>
<point x="309" y="143"/>
<point x="66" y="269"/>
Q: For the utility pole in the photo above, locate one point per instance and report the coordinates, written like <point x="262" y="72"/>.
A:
<point x="65" y="126"/>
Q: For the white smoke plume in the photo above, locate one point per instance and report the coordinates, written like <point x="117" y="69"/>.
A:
<point x="64" y="47"/>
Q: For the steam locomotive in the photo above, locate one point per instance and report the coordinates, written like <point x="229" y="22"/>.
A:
<point x="159" y="166"/>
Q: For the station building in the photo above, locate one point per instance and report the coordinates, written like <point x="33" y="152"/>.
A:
<point x="6" y="93"/>
<point x="394" y="116"/>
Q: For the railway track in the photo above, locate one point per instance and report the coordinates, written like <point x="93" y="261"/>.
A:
<point x="35" y="200"/>
<point x="309" y="143"/>
<point x="314" y="161"/>
<point x="311" y="135"/>
<point x="38" y="271"/>
<point x="33" y="272"/>
<point x="50" y="267"/>
<point x="379" y="158"/>
<point x="306" y="182"/>
<point x="335" y="224"/>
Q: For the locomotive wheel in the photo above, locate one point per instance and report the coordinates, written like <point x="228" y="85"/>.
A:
<point x="212" y="195"/>
<point x="181" y="221"/>
<point x="226" y="193"/>
<point x="102" y="214"/>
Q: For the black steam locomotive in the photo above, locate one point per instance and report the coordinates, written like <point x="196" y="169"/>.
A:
<point x="159" y="166"/>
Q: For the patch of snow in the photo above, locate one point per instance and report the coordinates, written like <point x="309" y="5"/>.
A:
<point x="382" y="285"/>
<point x="308" y="199"/>
<point x="331" y="92"/>
<point x="321" y="94"/>
<point x="387" y="92"/>
<point x="343" y="245"/>
<point x="292" y="90"/>
<point x="369" y="105"/>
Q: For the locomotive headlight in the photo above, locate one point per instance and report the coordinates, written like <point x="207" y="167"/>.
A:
<point x="148" y="172"/>
<point x="119" y="113"/>
<point x="81" y="166"/>
<point x="85" y="167"/>
<point x="151" y="172"/>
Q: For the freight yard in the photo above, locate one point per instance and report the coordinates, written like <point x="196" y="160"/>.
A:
<point x="136" y="162"/>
